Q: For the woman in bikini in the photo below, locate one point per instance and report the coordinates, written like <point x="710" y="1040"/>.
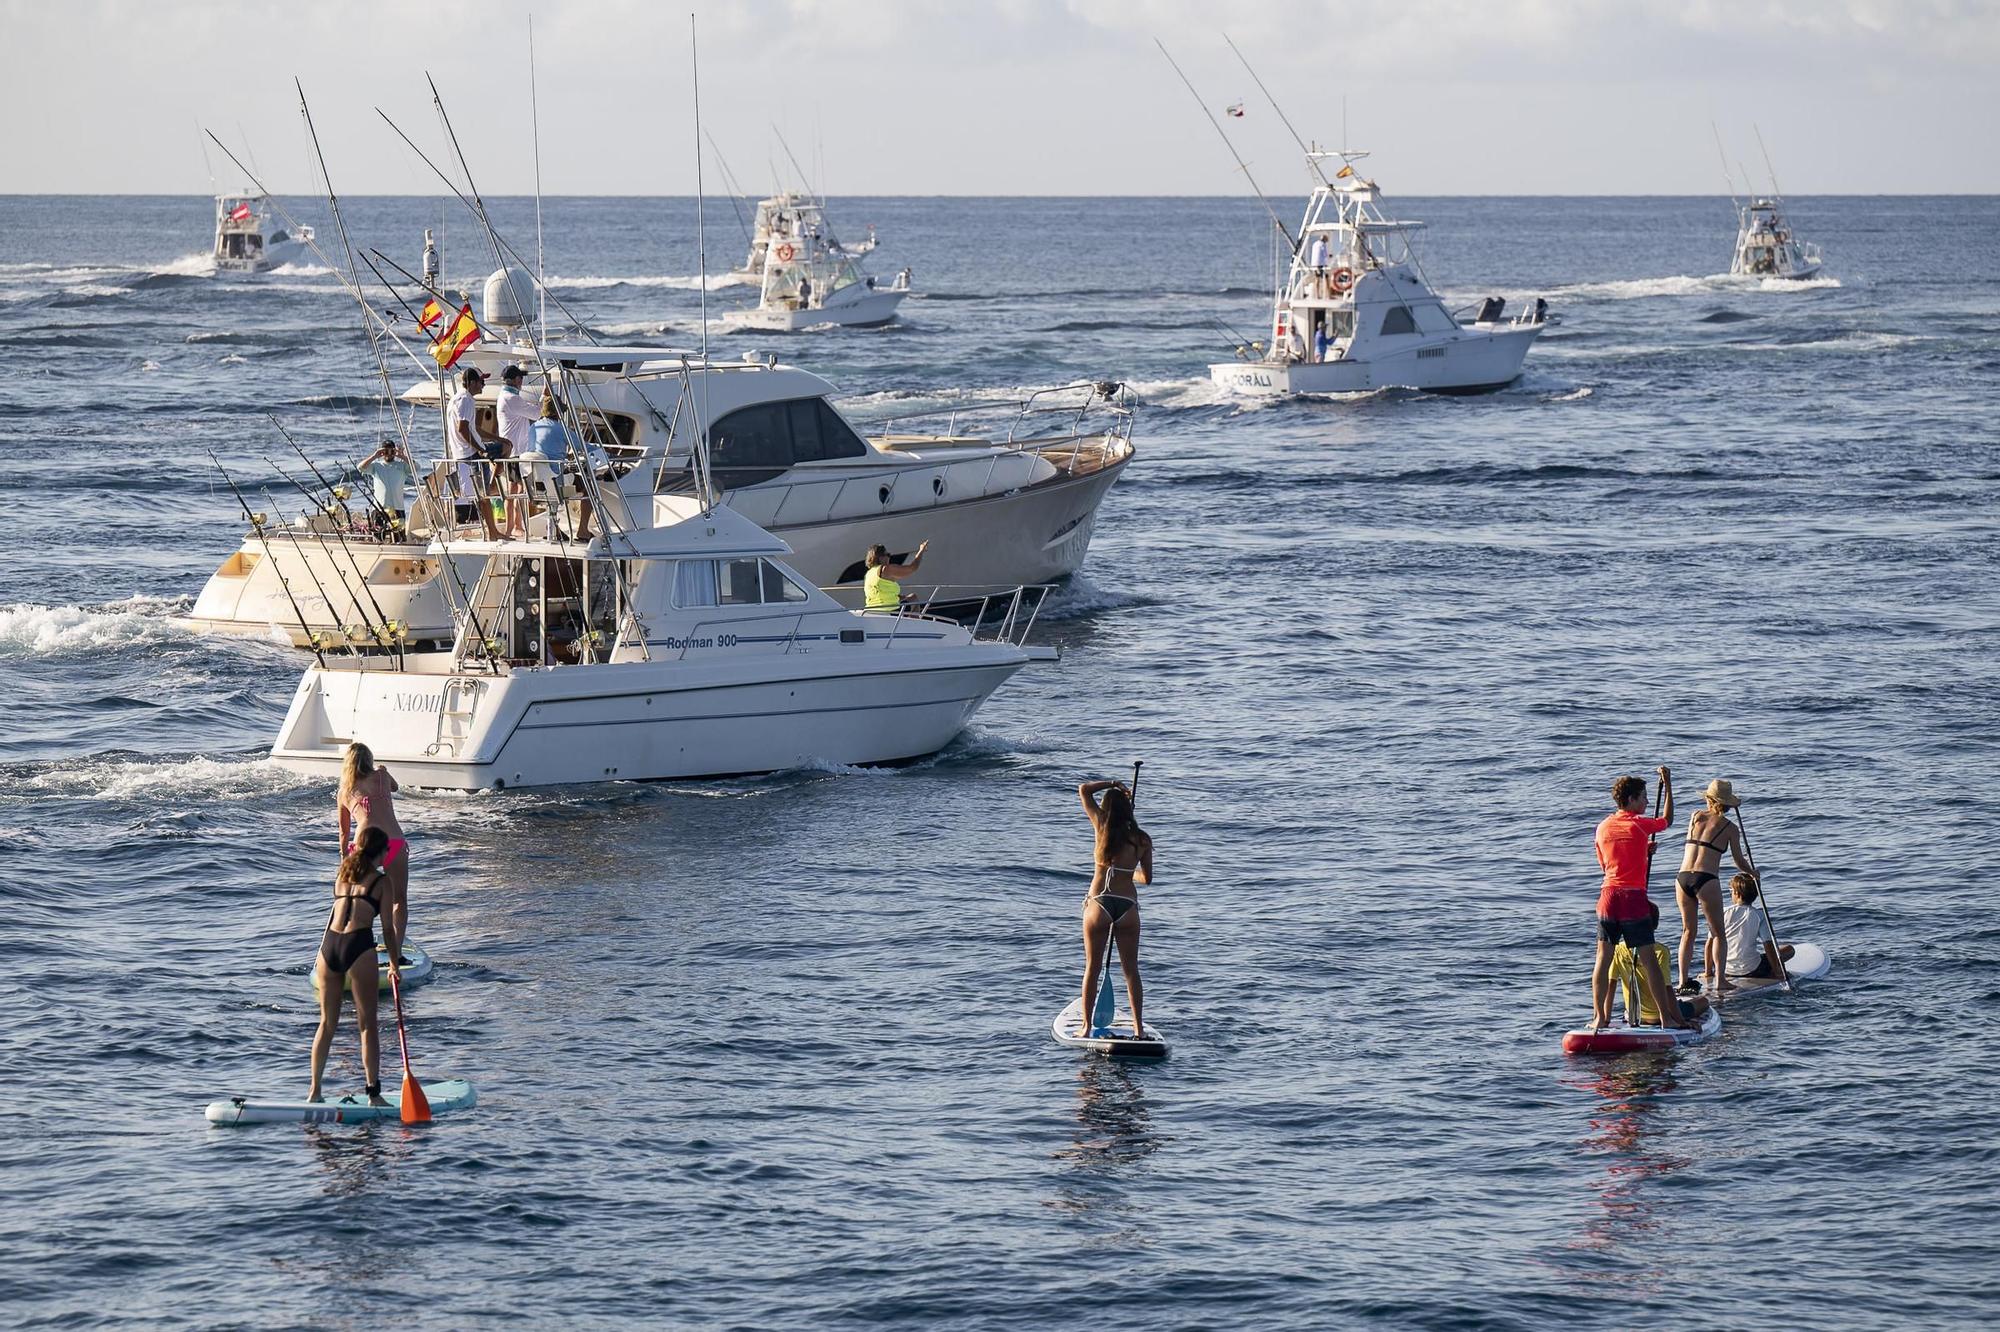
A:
<point x="367" y="800"/>
<point x="1124" y="860"/>
<point x="347" y="953"/>
<point x="1698" y="886"/>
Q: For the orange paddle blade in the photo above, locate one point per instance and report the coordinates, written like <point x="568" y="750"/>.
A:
<point x="416" y="1106"/>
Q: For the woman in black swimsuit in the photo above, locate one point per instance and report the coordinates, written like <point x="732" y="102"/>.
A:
<point x="1124" y="860"/>
<point x="347" y="953"/>
<point x="1698" y="887"/>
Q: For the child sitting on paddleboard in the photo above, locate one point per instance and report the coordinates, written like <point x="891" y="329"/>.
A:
<point x="1640" y="1010"/>
<point x="1751" y="955"/>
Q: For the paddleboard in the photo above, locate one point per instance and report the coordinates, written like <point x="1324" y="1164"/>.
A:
<point x="1112" y="1038"/>
<point x="1808" y="962"/>
<point x="1627" y="1040"/>
<point x="415" y="972"/>
<point x="444" y="1095"/>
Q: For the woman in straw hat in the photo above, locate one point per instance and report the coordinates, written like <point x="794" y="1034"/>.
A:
<point x="1698" y="887"/>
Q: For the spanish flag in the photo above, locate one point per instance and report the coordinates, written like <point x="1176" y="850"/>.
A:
<point x="431" y="313"/>
<point x="1343" y="173"/>
<point x="451" y="344"/>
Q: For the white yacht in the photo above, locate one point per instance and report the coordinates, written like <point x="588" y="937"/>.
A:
<point x="1005" y="493"/>
<point x="685" y="648"/>
<point x="806" y="278"/>
<point x="1766" y="246"/>
<point x="1354" y="312"/>
<point x="245" y="239"/>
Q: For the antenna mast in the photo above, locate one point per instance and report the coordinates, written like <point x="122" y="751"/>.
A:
<point x="535" y="120"/>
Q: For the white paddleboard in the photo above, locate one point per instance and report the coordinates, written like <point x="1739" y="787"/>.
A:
<point x="1807" y="962"/>
<point x="1112" y="1038"/>
<point x="415" y="972"/>
<point x="1628" y="1040"/>
<point x="444" y="1095"/>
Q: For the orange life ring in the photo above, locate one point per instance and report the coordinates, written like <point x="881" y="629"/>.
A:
<point x="1341" y="280"/>
<point x="785" y="253"/>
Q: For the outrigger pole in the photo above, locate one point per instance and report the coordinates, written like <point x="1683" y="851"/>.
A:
<point x="1242" y="165"/>
<point x="698" y="455"/>
<point x="1728" y="181"/>
<point x="1311" y="160"/>
<point x="256" y="521"/>
<point x="1772" y="171"/>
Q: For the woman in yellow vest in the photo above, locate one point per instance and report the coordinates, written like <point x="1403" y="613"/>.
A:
<point x="879" y="589"/>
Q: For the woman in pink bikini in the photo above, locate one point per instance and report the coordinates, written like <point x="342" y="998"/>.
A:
<point x="347" y="953"/>
<point x="367" y="800"/>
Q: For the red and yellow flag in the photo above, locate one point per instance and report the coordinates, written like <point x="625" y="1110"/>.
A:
<point x="450" y="344"/>
<point x="430" y="314"/>
<point x="1344" y="173"/>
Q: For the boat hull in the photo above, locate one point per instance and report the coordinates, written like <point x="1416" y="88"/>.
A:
<point x="871" y="308"/>
<point x="338" y="590"/>
<point x="1470" y="361"/>
<point x="717" y="712"/>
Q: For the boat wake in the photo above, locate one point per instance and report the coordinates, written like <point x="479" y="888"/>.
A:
<point x="669" y="281"/>
<point x="1641" y="288"/>
<point x="126" y="778"/>
<point x="64" y="631"/>
<point x="1080" y="597"/>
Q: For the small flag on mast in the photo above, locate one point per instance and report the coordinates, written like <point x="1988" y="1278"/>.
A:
<point x="1234" y="109"/>
<point x="452" y="342"/>
<point x="430" y="314"/>
<point x="1344" y="172"/>
<point x="240" y="213"/>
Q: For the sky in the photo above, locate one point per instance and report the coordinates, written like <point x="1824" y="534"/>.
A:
<point x="1006" y="97"/>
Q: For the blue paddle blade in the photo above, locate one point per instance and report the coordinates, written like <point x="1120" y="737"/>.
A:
<point x="1101" y="1011"/>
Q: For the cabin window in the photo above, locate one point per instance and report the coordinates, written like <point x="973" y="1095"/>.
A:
<point x="611" y="430"/>
<point x="741" y="582"/>
<point x="757" y="443"/>
<point x="779" y="586"/>
<point x="694" y="584"/>
<point x="1340" y="324"/>
<point x="1398" y="320"/>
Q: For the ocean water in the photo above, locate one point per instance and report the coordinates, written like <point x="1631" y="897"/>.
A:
<point x="775" y="1052"/>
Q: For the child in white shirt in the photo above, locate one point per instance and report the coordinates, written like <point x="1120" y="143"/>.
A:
<point x="1752" y="954"/>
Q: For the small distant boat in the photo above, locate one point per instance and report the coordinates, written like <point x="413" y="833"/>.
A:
<point x="1767" y="247"/>
<point x="1355" y="312"/>
<point x="806" y="277"/>
<point x="246" y="241"/>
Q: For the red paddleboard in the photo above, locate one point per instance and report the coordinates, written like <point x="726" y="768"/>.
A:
<point x="1629" y="1040"/>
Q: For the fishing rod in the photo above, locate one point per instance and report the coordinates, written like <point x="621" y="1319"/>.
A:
<point x="1771" y="170"/>
<point x="353" y="600"/>
<point x="735" y="189"/>
<point x="1728" y="181"/>
<point x="257" y="521"/>
<point x="393" y="630"/>
<point x="568" y="313"/>
<point x="298" y="547"/>
<point x="1242" y="165"/>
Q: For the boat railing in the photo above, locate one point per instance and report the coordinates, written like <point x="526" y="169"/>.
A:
<point x="1535" y="311"/>
<point x="996" y="617"/>
<point x="1076" y="402"/>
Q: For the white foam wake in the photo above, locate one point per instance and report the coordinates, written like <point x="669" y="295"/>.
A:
<point x="55" y="631"/>
<point x="669" y="280"/>
<point x="1628" y="289"/>
<point x="153" y="779"/>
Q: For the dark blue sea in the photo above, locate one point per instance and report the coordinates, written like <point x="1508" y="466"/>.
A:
<point x="775" y="1053"/>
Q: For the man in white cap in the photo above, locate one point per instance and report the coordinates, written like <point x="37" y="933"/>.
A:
<point x="516" y="416"/>
<point x="466" y="444"/>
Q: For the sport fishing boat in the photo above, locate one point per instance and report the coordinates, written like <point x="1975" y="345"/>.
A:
<point x="1766" y="246"/>
<point x="806" y="278"/>
<point x="1354" y="312"/>
<point x="245" y="239"/>
<point x="1006" y="493"/>
<point x="684" y="648"/>
<point x="780" y="215"/>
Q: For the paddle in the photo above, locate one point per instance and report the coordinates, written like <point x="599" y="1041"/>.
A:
<point x="416" y="1106"/>
<point x="1102" y="1010"/>
<point x="1784" y="972"/>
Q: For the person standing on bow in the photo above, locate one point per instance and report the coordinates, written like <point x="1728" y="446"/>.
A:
<point x="1698" y="886"/>
<point x="1625" y="852"/>
<point x="880" y="590"/>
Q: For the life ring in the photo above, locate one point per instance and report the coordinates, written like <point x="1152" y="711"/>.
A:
<point x="1341" y="280"/>
<point x="785" y="253"/>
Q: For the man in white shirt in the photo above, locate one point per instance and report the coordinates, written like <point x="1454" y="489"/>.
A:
<point x="468" y="445"/>
<point x="1753" y="953"/>
<point x="516" y="417"/>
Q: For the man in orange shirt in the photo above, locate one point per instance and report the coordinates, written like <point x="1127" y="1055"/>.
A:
<point x="1625" y="851"/>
